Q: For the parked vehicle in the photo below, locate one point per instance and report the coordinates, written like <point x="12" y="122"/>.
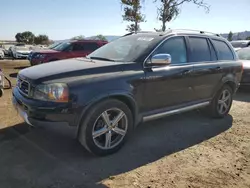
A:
<point x="66" y="50"/>
<point x="2" y="83"/>
<point x="244" y="56"/>
<point x="136" y="78"/>
<point x="21" y="52"/>
<point x="238" y="44"/>
<point x="11" y="51"/>
<point x="1" y="53"/>
<point x="34" y="52"/>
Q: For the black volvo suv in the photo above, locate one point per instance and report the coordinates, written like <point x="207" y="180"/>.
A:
<point x="136" y="78"/>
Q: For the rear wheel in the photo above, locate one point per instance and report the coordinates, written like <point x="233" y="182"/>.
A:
<point x="222" y="102"/>
<point x="106" y="127"/>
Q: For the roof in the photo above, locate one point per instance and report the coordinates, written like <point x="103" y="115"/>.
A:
<point x="86" y="40"/>
<point x="177" y="31"/>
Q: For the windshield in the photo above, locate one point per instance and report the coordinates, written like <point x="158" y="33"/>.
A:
<point x="62" y="46"/>
<point x="125" y="49"/>
<point x="54" y="45"/>
<point x="244" y="54"/>
<point x="22" y="48"/>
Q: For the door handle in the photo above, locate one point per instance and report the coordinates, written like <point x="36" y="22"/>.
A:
<point x="186" y="72"/>
<point x="218" y="68"/>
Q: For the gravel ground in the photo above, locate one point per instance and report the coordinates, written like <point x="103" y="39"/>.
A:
<point x="187" y="150"/>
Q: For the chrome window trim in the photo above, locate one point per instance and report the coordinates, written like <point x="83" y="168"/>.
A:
<point x="182" y="64"/>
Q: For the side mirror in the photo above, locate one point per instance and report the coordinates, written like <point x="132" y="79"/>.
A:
<point x="161" y="59"/>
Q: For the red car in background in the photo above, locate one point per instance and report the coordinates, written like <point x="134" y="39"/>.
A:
<point x="66" y="50"/>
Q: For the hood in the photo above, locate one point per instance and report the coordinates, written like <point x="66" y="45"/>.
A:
<point x="47" y="51"/>
<point x="70" y="68"/>
<point x="246" y="64"/>
<point x="23" y="51"/>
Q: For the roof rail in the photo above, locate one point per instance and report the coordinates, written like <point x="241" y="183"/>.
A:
<point x="131" y="33"/>
<point x="197" y="31"/>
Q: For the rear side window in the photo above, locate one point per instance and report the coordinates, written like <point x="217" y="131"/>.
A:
<point x="200" y="50"/>
<point x="224" y="52"/>
<point x="176" y="47"/>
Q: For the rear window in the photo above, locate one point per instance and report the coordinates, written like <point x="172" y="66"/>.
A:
<point x="224" y="52"/>
<point x="200" y="49"/>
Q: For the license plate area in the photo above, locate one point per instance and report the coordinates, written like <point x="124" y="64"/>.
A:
<point x="20" y="111"/>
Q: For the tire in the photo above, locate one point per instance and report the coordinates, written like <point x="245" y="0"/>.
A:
<point x="215" y="109"/>
<point x="94" y="121"/>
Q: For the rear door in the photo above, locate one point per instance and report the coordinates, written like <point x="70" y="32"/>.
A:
<point x="207" y="69"/>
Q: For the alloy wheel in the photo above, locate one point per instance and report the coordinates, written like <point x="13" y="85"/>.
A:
<point x="224" y="101"/>
<point x="110" y="128"/>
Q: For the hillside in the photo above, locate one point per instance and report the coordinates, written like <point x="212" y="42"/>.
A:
<point x="239" y="36"/>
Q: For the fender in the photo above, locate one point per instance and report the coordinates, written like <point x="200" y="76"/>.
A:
<point x="118" y="94"/>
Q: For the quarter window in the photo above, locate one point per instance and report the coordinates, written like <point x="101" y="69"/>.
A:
<point x="199" y="49"/>
<point x="224" y="52"/>
<point x="176" y="47"/>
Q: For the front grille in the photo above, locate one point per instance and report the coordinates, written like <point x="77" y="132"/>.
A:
<point x="24" y="86"/>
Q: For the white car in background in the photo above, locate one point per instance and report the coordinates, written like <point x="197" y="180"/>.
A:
<point x="1" y="53"/>
<point x="20" y="52"/>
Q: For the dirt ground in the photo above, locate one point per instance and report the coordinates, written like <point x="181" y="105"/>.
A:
<point x="187" y="150"/>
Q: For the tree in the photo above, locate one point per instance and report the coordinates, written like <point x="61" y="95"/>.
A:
<point x="170" y="9"/>
<point x="26" y="37"/>
<point x="79" y="37"/>
<point x="248" y="38"/>
<point x="19" y="37"/>
<point x="132" y="13"/>
<point x="101" y="37"/>
<point x="41" y="39"/>
<point x="230" y="36"/>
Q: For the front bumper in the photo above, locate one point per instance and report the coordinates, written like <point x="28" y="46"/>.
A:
<point x="245" y="79"/>
<point x="34" y="61"/>
<point x="21" y="56"/>
<point x="42" y="113"/>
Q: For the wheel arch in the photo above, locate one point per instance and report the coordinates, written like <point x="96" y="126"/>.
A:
<point x="124" y="97"/>
<point x="230" y="80"/>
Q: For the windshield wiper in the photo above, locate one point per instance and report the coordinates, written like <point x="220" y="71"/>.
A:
<point x="101" y="58"/>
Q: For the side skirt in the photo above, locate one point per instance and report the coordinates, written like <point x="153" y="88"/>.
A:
<point x="175" y="111"/>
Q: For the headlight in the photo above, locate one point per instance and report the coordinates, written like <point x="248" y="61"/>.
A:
<point x="57" y="92"/>
<point x="40" y="56"/>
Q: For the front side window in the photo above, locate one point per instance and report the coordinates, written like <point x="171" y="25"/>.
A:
<point x="176" y="47"/>
<point x="224" y="52"/>
<point x="91" y="46"/>
<point x="200" y="51"/>
<point x="78" y="47"/>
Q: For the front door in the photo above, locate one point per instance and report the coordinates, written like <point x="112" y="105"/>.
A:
<point x="170" y="85"/>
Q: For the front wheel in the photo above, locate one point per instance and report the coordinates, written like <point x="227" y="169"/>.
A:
<point x="106" y="127"/>
<point x="222" y="102"/>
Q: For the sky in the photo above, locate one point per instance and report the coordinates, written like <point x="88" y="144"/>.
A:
<point x="64" y="19"/>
